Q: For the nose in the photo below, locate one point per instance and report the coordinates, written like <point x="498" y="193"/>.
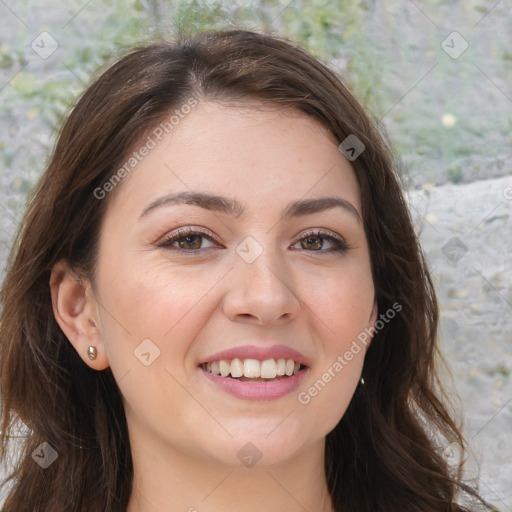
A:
<point x="261" y="292"/>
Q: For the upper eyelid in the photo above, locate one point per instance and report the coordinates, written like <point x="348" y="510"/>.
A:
<point x="319" y="231"/>
<point x="189" y="230"/>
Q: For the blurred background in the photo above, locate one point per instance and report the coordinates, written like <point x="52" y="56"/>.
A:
<point x="436" y="75"/>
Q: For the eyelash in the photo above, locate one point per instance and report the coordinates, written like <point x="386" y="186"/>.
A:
<point x="340" y="245"/>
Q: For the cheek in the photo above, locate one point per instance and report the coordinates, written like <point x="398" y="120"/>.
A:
<point x="166" y="306"/>
<point x="342" y="299"/>
<point x="155" y="301"/>
<point x="342" y="304"/>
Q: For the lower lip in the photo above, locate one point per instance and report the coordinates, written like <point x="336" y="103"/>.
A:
<point x="256" y="390"/>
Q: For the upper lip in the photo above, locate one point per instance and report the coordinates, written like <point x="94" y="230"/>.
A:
<point x="259" y="353"/>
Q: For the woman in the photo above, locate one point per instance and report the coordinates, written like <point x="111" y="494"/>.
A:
<point x="217" y="300"/>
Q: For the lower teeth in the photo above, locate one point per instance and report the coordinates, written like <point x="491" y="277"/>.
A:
<point x="260" y="379"/>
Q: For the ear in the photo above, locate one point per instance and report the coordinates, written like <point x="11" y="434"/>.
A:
<point x="76" y="311"/>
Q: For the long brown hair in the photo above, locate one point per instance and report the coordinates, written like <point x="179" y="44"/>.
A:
<point x="380" y="457"/>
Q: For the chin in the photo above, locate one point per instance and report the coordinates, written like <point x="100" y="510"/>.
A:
<point x="263" y="447"/>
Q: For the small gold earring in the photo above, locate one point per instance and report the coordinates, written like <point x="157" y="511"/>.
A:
<point x="362" y="381"/>
<point x="92" y="352"/>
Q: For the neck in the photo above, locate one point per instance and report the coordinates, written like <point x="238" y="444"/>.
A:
<point x="166" y="480"/>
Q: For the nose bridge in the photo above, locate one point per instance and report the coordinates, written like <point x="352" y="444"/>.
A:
<point x="262" y="284"/>
<point x="260" y="262"/>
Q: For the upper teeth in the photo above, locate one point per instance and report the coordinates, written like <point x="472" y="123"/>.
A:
<point x="252" y="368"/>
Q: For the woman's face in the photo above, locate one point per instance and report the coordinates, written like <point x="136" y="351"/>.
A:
<point x="271" y="269"/>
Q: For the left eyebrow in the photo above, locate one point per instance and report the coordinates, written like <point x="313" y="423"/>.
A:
<point x="320" y="204"/>
<point x="232" y="207"/>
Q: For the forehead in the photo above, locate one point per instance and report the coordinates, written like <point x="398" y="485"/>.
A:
<point x="258" y="154"/>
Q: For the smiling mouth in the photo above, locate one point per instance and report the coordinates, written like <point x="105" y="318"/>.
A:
<point x="253" y="370"/>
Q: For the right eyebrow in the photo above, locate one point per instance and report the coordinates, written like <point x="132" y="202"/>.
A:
<point x="208" y="201"/>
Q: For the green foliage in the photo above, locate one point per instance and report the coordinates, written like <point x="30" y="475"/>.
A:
<point x="380" y="57"/>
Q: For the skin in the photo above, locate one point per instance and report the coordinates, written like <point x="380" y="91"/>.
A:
<point x="185" y="433"/>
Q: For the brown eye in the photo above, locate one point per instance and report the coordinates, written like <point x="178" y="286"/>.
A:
<point x="322" y="242"/>
<point x="187" y="240"/>
<point x="312" y="242"/>
<point x="190" y="242"/>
